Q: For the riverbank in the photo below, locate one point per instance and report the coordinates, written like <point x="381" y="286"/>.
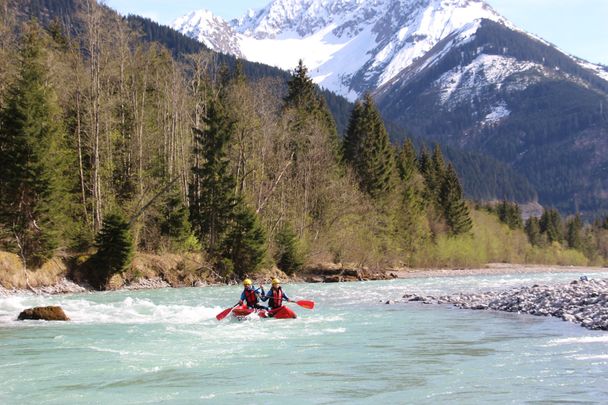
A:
<point x="496" y="269"/>
<point x="147" y="271"/>
<point x="584" y="301"/>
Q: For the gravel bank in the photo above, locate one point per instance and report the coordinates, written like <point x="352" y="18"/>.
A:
<point x="64" y="286"/>
<point x="583" y="302"/>
<point x="496" y="269"/>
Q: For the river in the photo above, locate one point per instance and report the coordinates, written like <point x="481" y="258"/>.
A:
<point x="165" y="346"/>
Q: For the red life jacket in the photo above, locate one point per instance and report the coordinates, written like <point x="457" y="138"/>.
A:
<point x="251" y="297"/>
<point x="277" y="298"/>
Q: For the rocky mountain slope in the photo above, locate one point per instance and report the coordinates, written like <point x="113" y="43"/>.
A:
<point x="517" y="99"/>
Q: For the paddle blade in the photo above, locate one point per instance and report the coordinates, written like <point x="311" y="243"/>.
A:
<point x="306" y="304"/>
<point x="223" y="314"/>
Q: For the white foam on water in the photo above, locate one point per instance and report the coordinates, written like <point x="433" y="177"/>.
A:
<point x="335" y="330"/>
<point x="107" y="350"/>
<point x="11" y="306"/>
<point x="210" y="396"/>
<point x="593" y="357"/>
<point x="324" y="319"/>
<point x="146" y="370"/>
<point x="128" y="311"/>
<point x="137" y="310"/>
<point x="8" y="365"/>
<point x="578" y="340"/>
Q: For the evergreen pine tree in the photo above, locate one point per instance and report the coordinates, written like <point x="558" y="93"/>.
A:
<point x="352" y="143"/>
<point x="574" y="233"/>
<point x="455" y="210"/>
<point x="288" y="256"/>
<point x="301" y="91"/>
<point x="432" y="179"/>
<point x="212" y="198"/>
<point x="551" y="225"/>
<point x="406" y="161"/>
<point x="439" y="166"/>
<point x="114" y="250"/>
<point x="175" y="222"/>
<point x="367" y="148"/>
<point x="433" y="169"/>
<point x="535" y="237"/>
<point x="303" y="97"/>
<point x="245" y="242"/>
<point x="33" y="158"/>
<point x="411" y="209"/>
<point x="510" y="214"/>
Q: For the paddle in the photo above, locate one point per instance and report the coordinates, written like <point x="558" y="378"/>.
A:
<point x="305" y="304"/>
<point x="225" y="313"/>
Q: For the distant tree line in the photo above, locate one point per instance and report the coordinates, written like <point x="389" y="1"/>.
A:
<point x="589" y="239"/>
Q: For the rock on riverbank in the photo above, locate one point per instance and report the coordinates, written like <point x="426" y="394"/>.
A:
<point x="338" y="273"/>
<point x="582" y="302"/>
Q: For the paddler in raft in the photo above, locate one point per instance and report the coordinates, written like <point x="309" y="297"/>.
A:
<point x="251" y="296"/>
<point x="275" y="297"/>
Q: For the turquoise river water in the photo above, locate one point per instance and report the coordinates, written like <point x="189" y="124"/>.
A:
<point x="165" y="346"/>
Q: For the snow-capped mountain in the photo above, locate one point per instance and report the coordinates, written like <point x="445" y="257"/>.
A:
<point x="211" y="30"/>
<point x="349" y="46"/>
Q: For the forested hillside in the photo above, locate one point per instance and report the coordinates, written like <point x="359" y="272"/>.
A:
<point x="518" y="100"/>
<point x="478" y="184"/>
<point x="109" y="145"/>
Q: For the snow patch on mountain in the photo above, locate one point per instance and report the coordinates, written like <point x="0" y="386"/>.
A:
<point x="461" y="37"/>
<point x="349" y="46"/>
<point x="601" y="71"/>
<point x="497" y="114"/>
<point x="429" y="26"/>
<point x="460" y="83"/>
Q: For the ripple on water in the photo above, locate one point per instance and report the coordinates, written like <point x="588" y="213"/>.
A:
<point x="603" y="338"/>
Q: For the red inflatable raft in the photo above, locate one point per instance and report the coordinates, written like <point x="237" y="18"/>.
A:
<point x="242" y="312"/>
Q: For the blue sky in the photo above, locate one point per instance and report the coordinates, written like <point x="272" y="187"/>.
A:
<point x="578" y="27"/>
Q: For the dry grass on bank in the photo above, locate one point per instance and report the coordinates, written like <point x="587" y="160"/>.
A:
<point x="12" y="274"/>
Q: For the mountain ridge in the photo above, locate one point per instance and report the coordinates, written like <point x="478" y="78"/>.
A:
<point x="350" y="46"/>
